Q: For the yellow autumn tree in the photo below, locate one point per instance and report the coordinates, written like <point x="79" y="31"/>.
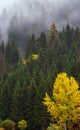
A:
<point x="32" y="57"/>
<point x="35" y="56"/>
<point x="65" y="96"/>
<point x="53" y="34"/>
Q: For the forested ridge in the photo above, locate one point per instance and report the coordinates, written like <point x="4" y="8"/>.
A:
<point x="25" y="80"/>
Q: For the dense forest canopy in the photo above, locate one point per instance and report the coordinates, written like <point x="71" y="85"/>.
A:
<point x="33" y="16"/>
<point x="24" y="80"/>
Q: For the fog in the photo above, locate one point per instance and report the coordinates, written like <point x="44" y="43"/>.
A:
<point x="41" y="12"/>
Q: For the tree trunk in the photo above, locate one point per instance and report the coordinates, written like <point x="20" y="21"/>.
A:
<point x="65" y="126"/>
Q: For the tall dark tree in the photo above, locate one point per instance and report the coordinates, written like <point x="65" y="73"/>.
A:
<point x="42" y="41"/>
<point x="11" y="56"/>
<point x="6" y="92"/>
<point x="31" y="46"/>
<point x="76" y="35"/>
<point x="2" y="60"/>
<point x="69" y="35"/>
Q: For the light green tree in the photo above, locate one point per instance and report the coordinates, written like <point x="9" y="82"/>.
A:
<point x="22" y="124"/>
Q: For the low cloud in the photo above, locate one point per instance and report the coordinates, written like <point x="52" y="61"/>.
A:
<point x="41" y="12"/>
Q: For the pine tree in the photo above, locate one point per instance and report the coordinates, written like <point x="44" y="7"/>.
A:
<point x="42" y="41"/>
<point x="2" y="60"/>
<point x="11" y="56"/>
<point x="69" y="35"/>
<point x="7" y="87"/>
<point x="76" y="35"/>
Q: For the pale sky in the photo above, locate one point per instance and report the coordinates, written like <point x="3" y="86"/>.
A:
<point x="59" y="11"/>
<point x="65" y="9"/>
<point x="10" y="3"/>
<point x="7" y="4"/>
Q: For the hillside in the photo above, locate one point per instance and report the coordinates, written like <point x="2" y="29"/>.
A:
<point x="24" y="81"/>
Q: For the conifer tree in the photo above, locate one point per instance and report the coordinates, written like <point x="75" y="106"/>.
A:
<point x="42" y="41"/>
<point x="11" y="56"/>
<point x="69" y="35"/>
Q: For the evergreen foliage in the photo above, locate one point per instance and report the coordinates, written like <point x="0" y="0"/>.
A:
<point x="23" y="82"/>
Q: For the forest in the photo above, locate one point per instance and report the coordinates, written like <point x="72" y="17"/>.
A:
<point x="26" y="75"/>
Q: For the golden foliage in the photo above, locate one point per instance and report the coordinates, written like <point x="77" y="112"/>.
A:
<point x="65" y="97"/>
<point x="32" y="57"/>
<point x="78" y="107"/>
<point x="35" y="56"/>
<point x="53" y="33"/>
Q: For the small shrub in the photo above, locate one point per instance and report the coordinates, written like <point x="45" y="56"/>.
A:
<point x="22" y="124"/>
<point x="8" y="124"/>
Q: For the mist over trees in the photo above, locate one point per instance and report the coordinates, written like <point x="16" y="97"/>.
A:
<point x="20" y="29"/>
<point x="37" y="15"/>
